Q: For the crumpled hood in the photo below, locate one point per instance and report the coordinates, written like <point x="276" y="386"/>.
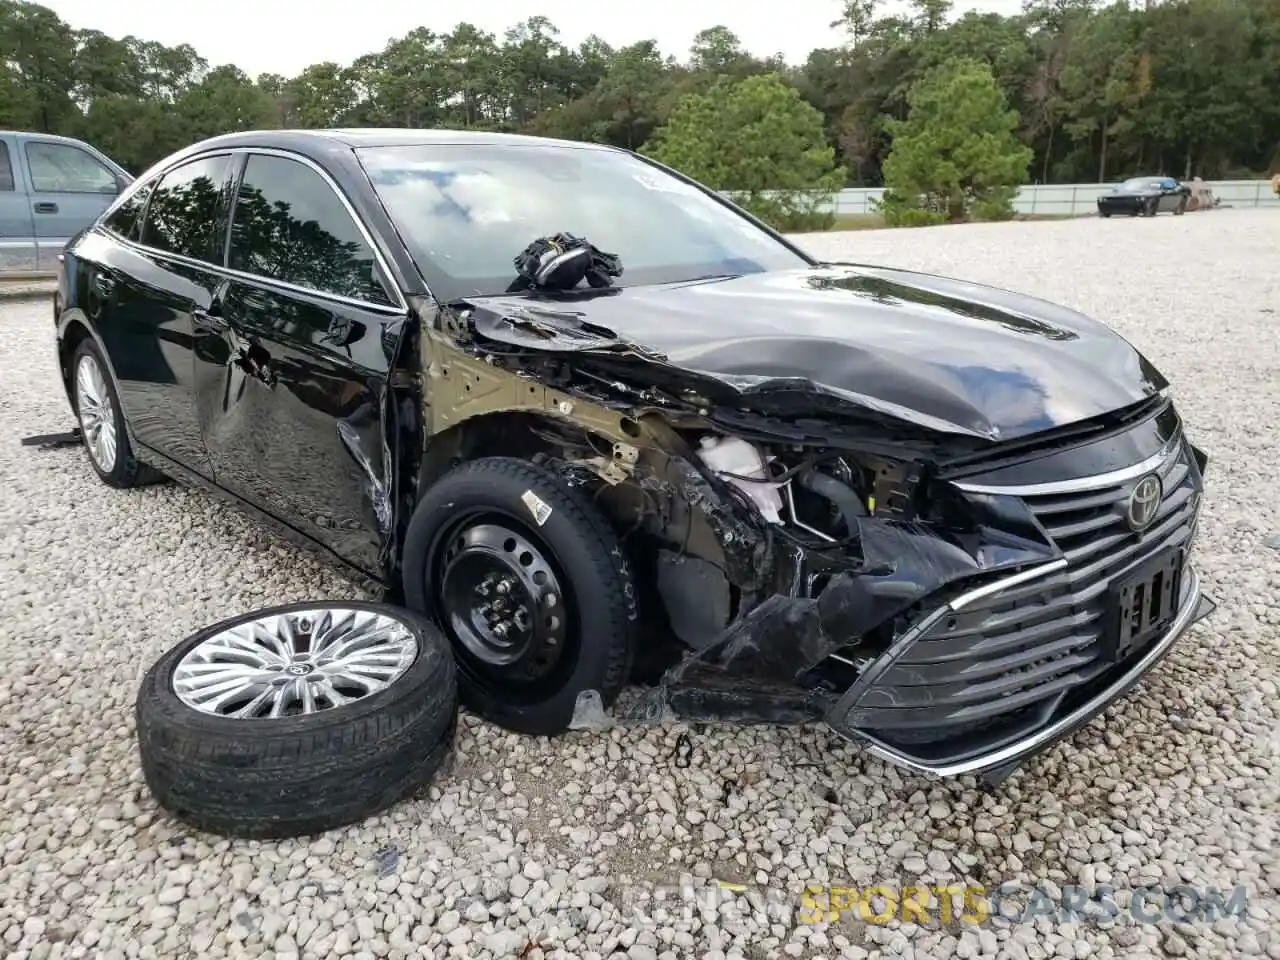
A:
<point x="940" y="353"/>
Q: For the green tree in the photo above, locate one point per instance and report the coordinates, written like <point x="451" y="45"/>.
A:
<point x="37" y="55"/>
<point x="758" y="139"/>
<point x="957" y="154"/>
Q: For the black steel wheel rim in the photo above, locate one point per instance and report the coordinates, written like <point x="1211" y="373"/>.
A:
<point x="503" y="600"/>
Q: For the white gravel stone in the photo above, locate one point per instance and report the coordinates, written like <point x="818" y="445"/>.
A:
<point x="537" y="848"/>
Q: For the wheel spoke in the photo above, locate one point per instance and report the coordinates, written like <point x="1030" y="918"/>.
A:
<point x="97" y="417"/>
<point x="268" y="667"/>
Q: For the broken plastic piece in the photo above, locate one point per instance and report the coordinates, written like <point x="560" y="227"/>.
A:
<point x="588" y="713"/>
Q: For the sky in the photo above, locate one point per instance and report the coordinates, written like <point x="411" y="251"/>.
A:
<point x="284" y="36"/>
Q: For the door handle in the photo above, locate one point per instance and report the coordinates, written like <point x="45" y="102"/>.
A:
<point x="45" y="207"/>
<point x="104" y="284"/>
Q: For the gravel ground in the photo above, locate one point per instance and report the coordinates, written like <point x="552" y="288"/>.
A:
<point x="533" y="848"/>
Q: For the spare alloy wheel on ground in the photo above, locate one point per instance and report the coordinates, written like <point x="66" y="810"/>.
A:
<point x="297" y="719"/>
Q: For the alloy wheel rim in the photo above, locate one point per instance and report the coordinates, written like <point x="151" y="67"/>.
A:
<point x="97" y="415"/>
<point x="294" y="664"/>
<point x="502" y="599"/>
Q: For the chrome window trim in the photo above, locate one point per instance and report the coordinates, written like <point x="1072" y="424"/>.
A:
<point x="1078" y="484"/>
<point x="400" y="308"/>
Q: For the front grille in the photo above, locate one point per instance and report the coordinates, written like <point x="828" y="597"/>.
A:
<point x="1008" y="659"/>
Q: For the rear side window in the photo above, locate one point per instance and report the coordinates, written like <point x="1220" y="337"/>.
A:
<point x="6" y="169"/>
<point x="182" y="216"/>
<point x="289" y="225"/>
<point x="62" y="168"/>
<point x="126" y="219"/>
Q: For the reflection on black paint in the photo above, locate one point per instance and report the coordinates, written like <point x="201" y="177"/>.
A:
<point x="270" y="238"/>
<point x="887" y="293"/>
<point x="182" y="217"/>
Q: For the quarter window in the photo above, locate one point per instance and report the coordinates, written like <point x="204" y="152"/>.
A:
<point x="6" y="170"/>
<point x="183" y="216"/>
<point x="289" y="225"/>
<point x="125" y="220"/>
<point x="61" y="168"/>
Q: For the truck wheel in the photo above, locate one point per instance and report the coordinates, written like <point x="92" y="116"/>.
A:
<point x="293" y="720"/>
<point x="528" y="580"/>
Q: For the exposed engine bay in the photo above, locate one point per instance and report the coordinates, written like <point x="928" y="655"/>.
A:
<point x="796" y="542"/>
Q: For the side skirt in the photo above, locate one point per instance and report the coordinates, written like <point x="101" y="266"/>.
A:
<point x="382" y="590"/>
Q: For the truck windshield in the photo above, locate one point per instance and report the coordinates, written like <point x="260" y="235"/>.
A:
<point x="465" y="211"/>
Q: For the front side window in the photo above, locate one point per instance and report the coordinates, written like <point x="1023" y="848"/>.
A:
<point x="182" y="217"/>
<point x="465" y="211"/>
<point x="62" y="168"/>
<point x="6" y="169"/>
<point x="289" y="225"/>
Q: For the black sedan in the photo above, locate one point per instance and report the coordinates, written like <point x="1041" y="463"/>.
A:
<point x="1145" y="197"/>
<point x="587" y="414"/>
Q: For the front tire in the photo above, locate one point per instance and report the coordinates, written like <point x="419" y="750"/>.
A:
<point x="102" y="423"/>
<point x="531" y="585"/>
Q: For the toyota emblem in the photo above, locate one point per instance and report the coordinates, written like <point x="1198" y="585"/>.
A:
<point x="1144" y="502"/>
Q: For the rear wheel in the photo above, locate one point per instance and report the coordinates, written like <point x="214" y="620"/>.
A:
<point x="102" y="424"/>
<point x="529" y="582"/>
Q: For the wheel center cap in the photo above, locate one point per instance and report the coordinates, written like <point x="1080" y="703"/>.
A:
<point x="299" y="669"/>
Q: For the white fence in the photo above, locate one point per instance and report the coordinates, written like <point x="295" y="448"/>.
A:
<point x="1077" y="198"/>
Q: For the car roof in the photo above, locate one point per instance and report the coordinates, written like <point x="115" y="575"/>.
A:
<point x="307" y="141"/>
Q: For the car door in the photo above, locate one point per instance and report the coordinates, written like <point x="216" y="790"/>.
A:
<point x="293" y="370"/>
<point x="70" y="188"/>
<point x="17" y="232"/>
<point x="161" y="265"/>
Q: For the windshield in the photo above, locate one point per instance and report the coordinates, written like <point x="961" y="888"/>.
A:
<point x="1143" y="183"/>
<point x="466" y="211"/>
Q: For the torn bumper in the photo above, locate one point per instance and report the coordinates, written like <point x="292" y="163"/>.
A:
<point x="874" y="701"/>
<point x="945" y="665"/>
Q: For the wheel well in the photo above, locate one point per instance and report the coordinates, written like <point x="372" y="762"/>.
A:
<point x="509" y="433"/>
<point x="75" y="334"/>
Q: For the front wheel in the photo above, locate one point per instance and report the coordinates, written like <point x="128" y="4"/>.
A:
<point x="530" y="583"/>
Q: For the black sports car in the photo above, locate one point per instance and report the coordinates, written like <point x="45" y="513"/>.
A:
<point x="951" y="521"/>
<point x="1145" y="197"/>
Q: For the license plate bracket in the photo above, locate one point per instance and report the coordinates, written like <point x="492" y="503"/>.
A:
<point x="1142" y="604"/>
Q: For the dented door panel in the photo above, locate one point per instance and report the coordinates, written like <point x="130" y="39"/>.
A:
<point x="292" y="404"/>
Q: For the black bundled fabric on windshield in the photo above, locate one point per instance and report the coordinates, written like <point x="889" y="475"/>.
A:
<point x="562" y="261"/>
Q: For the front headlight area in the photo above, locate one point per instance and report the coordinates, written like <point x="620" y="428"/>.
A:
<point x="857" y="545"/>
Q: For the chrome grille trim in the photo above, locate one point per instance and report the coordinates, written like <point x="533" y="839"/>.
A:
<point x="1077" y="484"/>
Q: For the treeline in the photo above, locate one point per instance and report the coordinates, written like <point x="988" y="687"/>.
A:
<point x="1184" y="87"/>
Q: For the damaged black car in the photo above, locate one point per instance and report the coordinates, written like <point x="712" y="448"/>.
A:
<point x="599" y="423"/>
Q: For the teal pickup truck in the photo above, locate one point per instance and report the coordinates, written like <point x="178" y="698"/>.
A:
<point x="51" y="188"/>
